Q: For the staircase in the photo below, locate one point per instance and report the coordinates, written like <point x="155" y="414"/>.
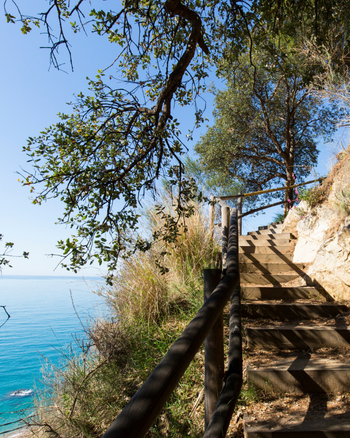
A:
<point x="298" y="344"/>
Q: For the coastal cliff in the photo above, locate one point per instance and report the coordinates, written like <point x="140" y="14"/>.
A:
<point x="321" y="225"/>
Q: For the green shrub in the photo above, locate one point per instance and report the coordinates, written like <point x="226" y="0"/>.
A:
<point x="141" y="292"/>
<point x="313" y="196"/>
<point x="343" y="201"/>
<point x="279" y="217"/>
<point x="149" y="311"/>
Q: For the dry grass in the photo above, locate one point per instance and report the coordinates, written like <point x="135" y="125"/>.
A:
<point x="149" y="311"/>
<point x="141" y="292"/>
<point x="316" y="196"/>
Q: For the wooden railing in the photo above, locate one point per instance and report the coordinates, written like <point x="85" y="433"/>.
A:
<point x="241" y="196"/>
<point x="221" y="389"/>
<point x="142" y="410"/>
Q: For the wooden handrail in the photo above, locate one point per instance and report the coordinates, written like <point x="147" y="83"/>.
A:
<point x="214" y="362"/>
<point x="247" y="195"/>
<point x="142" y="410"/>
<point x="264" y="207"/>
<point x="222" y="415"/>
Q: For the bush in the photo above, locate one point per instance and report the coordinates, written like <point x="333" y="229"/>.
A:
<point x="279" y="217"/>
<point x="142" y="292"/>
<point x="313" y="196"/>
<point x="343" y="201"/>
<point x="149" y="311"/>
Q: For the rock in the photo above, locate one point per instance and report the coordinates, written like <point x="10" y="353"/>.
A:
<point x="340" y="181"/>
<point x="330" y="256"/>
<point x="312" y="232"/>
<point x="293" y="217"/>
<point x="324" y="236"/>
<point x="331" y="268"/>
<point x="347" y="221"/>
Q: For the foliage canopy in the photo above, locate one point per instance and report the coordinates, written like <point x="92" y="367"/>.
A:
<point x="122" y="138"/>
<point x="266" y="121"/>
<point x="6" y="253"/>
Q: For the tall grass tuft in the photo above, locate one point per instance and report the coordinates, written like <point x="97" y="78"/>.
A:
<point x="149" y="311"/>
<point x="142" y="293"/>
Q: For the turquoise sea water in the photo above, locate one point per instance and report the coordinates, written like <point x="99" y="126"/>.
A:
<point x="40" y="328"/>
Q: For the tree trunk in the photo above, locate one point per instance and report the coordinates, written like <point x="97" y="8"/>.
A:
<point x="289" y="194"/>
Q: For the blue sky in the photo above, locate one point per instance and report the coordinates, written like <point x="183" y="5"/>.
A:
<point x="31" y="96"/>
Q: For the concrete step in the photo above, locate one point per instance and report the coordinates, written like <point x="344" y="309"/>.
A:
<point x="250" y="249"/>
<point x="272" y="268"/>
<point x="267" y="231"/>
<point x="331" y="427"/>
<point x="273" y="226"/>
<point x="280" y="293"/>
<point x="261" y="236"/>
<point x="289" y="337"/>
<point x="249" y="241"/>
<point x="266" y="258"/>
<point x="290" y="312"/>
<point x="302" y="376"/>
<point x="262" y="279"/>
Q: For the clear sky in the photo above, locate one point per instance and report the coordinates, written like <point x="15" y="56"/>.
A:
<point x="31" y="96"/>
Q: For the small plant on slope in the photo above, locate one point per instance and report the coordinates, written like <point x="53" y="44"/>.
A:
<point x="343" y="201"/>
<point x="149" y="311"/>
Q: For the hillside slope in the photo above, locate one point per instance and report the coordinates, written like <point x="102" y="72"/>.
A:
<point x="322" y="228"/>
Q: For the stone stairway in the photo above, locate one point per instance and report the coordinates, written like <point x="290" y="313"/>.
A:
<point x="295" y="335"/>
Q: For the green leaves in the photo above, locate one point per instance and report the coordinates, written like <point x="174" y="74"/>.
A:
<point x="266" y="121"/>
<point x="99" y="161"/>
<point x="122" y="138"/>
<point x="6" y="252"/>
<point x="10" y="18"/>
<point x="25" y="28"/>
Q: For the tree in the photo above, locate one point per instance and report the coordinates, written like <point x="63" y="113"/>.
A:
<point x="331" y="83"/>
<point x="120" y="140"/>
<point x="212" y="183"/>
<point x="5" y="254"/>
<point x="266" y="121"/>
<point x="4" y="261"/>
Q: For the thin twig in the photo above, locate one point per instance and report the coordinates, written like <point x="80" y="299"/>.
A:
<point x="8" y="316"/>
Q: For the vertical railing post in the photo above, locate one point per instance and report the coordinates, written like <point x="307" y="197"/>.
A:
<point x="222" y="415"/>
<point x="239" y="214"/>
<point x="214" y="350"/>
<point x="225" y="226"/>
<point x="211" y="216"/>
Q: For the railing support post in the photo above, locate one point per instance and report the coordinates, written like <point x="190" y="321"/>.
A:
<point x="221" y="417"/>
<point x="211" y="216"/>
<point x="225" y="224"/>
<point x="214" y="350"/>
<point x="144" y="407"/>
<point x="239" y="214"/>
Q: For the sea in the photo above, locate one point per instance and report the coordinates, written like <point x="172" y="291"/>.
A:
<point x="42" y="329"/>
